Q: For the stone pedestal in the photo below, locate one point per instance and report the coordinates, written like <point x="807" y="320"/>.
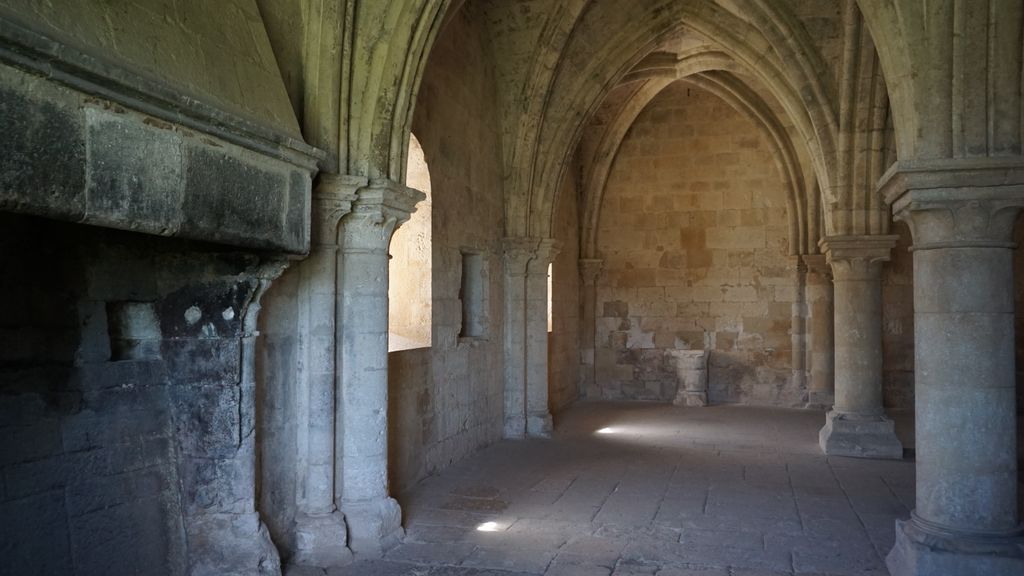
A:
<point x="692" y="371"/>
<point x="857" y="425"/>
<point x="538" y="414"/>
<point x="590" y="270"/>
<point x="820" y="342"/>
<point x="966" y="518"/>
<point x="319" y="537"/>
<point x="518" y="252"/>
<point x="374" y="519"/>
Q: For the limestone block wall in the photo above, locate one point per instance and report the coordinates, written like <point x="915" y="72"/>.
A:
<point x="446" y="401"/>
<point x="126" y="404"/>
<point x="898" y="324"/>
<point x="693" y="233"/>
<point x="563" y="341"/>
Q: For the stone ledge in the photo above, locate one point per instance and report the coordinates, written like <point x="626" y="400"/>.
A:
<point x="869" y="438"/>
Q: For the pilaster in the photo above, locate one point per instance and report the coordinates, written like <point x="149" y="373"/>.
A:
<point x="319" y="536"/>
<point x="517" y="255"/>
<point x="590" y="270"/>
<point x="538" y="414"/>
<point x="820" y="332"/>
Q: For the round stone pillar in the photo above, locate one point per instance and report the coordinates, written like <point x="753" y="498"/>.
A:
<point x="965" y="521"/>
<point x="857" y="426"/>
<point x="374" y="518"/>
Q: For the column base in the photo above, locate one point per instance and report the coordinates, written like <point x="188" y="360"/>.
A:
<point x="539" y="425"/>
<point x="919" y="552"/>
<point x="320" y="541"/>
<point x="231" y="544"/>
<point x="374" y="527"/>
<point x="846" y="435"/>
<point x="819" y="400"/>
<point x="515" y="428"/>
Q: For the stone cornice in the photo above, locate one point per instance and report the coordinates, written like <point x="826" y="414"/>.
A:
<point x="517" y="254"/>
<point x="333" y="196"/>
<point x="948" y="178"/>
<point x="39" y="54"/>
<point x="378" y="210"/>
<point x="546" y="252"/>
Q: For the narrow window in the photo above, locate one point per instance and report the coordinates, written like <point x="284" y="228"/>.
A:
<point x="473" y="295"/>
<point x="551" y="322"/>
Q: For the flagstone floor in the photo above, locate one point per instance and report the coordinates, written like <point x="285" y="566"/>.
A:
<point x="626" y="489"/>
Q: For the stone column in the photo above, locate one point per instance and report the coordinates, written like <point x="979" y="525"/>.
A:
<point x="857" y="425"/>
<point x="820" y="345"/>
<point x="320" y="536"/>
<point x="966" y="518"/>
<point x="538" y="415"/>
<point x="374" y="518"/>
<point x="590" y="270"/>
<point x="518" y="252"/>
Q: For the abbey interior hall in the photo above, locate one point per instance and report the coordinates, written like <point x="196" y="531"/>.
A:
<point x="511" y="287"/>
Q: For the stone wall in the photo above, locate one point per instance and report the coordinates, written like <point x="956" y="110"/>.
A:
<point x="126" y="404"/>
<point x="898" y="324"/>
<point x="563" y="341"/>
<point x="693" y="233"/>
<point x="447" y="400"/>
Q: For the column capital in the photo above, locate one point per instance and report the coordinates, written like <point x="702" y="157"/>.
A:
<point x="957" y="203"/>
<point x="590" y="270"/>
<point x="817" y="264"/>
<point x="377" y="211"/>
<point x="333" y="196"/>
<point x="517" y="253"/>
<point x="546" y="252"/>
<point x="857" y="257"/>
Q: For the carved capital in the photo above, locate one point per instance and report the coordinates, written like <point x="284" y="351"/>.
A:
<point x="517" y="254"/>
<point x="332" y="200"/>
<point x="590" y="270"/>
<point x="857" y="257"/>
<point x="957" y="202"/>
<point x="818" y="265"/>
<point x="547" y="251"/>
<point x="378" y="210"/>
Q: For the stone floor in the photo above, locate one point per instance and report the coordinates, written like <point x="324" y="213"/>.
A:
<point x="647" y="489"/>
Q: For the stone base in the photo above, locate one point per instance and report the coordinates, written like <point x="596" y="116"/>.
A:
<point x="515" y="428"/>
<point x="921" y="553"/>
<point x="320" y="541"/>
<point x="373" y="527"/>
<point x="691" y="398"/>
<point x="845" y="435"/>
<point x="231" y="545"/>
<point x="539" y="425"/>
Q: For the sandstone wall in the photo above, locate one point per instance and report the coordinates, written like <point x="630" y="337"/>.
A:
<point x="694" y="236"/>
<point x="446" y="400"/>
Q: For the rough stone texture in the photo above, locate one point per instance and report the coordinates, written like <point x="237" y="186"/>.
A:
<point x="898" y="324"/>
<point x="137" y="465"/>
<point x="122" y="169"/>
<point x="564" y="339"/>
<point x="220" y="54"/>
<point x="694" y="241"/>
